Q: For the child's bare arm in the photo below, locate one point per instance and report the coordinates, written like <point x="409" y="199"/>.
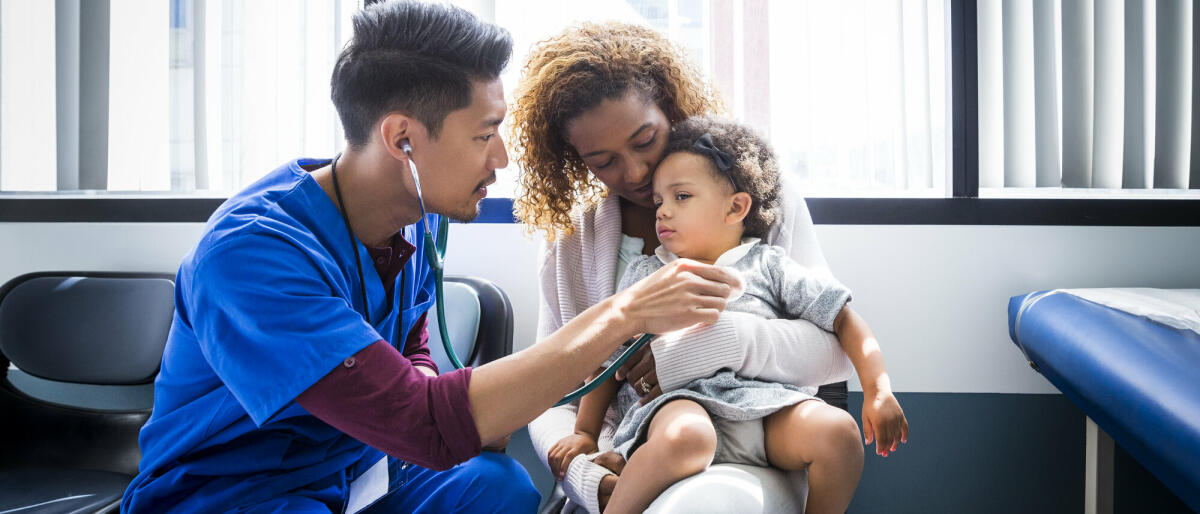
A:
<point x="588" y="423"/>
<point x="863" y="349"/>
<point x="883" y="419"/>
<point x="593" y="406"/>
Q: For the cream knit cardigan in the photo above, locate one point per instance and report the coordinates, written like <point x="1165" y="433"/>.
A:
<point x="578" y="271"/>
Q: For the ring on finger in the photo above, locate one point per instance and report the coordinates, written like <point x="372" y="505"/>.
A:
<point x="643" y="385"/>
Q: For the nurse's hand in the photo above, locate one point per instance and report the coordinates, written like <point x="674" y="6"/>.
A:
<point x="681" y="294"/>
<point x="639" y="370"/>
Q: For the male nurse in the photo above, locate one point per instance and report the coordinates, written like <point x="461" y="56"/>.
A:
<point x="296" y="376"/>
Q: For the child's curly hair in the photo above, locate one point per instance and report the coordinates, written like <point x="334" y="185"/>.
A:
<point x="754" y="170"/>
<point x="571" y="73"/>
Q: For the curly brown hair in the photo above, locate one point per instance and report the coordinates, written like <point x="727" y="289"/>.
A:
<point x="754" y="170"/>
<point x="568" y="74"/>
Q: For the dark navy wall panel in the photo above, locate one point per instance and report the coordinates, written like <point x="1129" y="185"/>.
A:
<point x="978" y="453"/>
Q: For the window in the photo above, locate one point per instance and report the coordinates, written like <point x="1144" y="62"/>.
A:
<point x="251" y="86"/>
<point x="852" y="94"/>
<point x="203" y="97"/>
<point x="27" y="125"/>
<point x="198" y="98"/>
<point x="1086" y="99"/>
<point x="184" y="97"/>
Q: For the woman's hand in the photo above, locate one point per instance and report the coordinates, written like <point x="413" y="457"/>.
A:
<point x="681" y="294"/>
<point x="883" y="422"/>
<point x="639" y="372"/>
<point x="565" y="450"/>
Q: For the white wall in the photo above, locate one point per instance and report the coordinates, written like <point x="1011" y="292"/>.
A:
<point x="936" y="296"/>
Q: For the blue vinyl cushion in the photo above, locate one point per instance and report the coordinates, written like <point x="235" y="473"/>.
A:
<point x="462" y="324"/>
<point x="1137" y="379"/>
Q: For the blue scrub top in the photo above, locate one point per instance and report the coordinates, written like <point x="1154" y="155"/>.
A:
<point x="265" y="305"/>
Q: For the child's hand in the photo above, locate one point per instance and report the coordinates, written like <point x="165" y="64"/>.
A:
<point x="564" y="451"/>
<point x="883" y="422"/>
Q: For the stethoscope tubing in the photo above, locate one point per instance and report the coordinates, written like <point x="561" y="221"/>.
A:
<point x="435" y="258"/>
<point x="435" y="261"/>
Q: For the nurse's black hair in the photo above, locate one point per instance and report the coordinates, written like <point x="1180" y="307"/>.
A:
<point x="416" y="58"/>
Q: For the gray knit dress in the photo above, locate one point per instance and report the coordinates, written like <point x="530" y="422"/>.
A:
<point x="775" y="287"/>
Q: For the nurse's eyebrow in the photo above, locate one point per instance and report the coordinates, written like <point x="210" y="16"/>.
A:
<point x="635" y="135"/>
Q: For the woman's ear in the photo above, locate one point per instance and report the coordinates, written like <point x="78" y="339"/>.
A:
<point x="739" y="207"/>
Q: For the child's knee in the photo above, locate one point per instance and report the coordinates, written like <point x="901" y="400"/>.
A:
<point x="692" y="442"/>
<point x="840" y="434"/>
<point x="692" y="434"/>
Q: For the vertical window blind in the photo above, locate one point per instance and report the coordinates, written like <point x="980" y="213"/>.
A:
<point x="177" y="96"/>
<point x="1087" y="94"/>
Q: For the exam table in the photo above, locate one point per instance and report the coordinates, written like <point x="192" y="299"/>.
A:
<point x="1130" y="360"/>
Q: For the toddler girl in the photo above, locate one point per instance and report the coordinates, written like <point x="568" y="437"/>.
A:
<point x="717" y="192"/>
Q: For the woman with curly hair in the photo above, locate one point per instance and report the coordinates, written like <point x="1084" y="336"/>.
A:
<point x="591" y="119"/>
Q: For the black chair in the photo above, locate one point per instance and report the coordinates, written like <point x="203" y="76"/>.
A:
<point x="835" y="394"/>
<point x="480" y="323"/>
<point x="96" y="332"/>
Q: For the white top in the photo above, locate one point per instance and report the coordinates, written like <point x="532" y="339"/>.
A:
<point x="726" y="260"/>
<point x="631" y="247"/>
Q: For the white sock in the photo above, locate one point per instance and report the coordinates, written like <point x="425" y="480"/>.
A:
<point x="582" y="483"/>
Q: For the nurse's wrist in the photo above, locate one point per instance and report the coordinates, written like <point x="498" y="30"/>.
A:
<point x="621" y="318"/>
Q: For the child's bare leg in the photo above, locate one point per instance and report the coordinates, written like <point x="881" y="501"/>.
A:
<point x="615" y="463"/>
<point x="680" y="443"/>
<point x="823" y="439"/>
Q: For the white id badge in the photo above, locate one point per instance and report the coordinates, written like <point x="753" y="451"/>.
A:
<point x="369" y="487"/>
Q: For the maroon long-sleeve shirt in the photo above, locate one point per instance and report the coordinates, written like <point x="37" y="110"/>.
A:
<point x="380" y="397"/>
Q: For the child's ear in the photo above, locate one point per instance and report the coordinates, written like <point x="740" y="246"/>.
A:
<point x="739" y="207"/>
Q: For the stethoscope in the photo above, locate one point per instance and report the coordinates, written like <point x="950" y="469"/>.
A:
<point x="436" y="260"/>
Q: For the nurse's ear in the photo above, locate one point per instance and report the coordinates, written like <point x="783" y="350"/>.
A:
<point x="394" y="130"/>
